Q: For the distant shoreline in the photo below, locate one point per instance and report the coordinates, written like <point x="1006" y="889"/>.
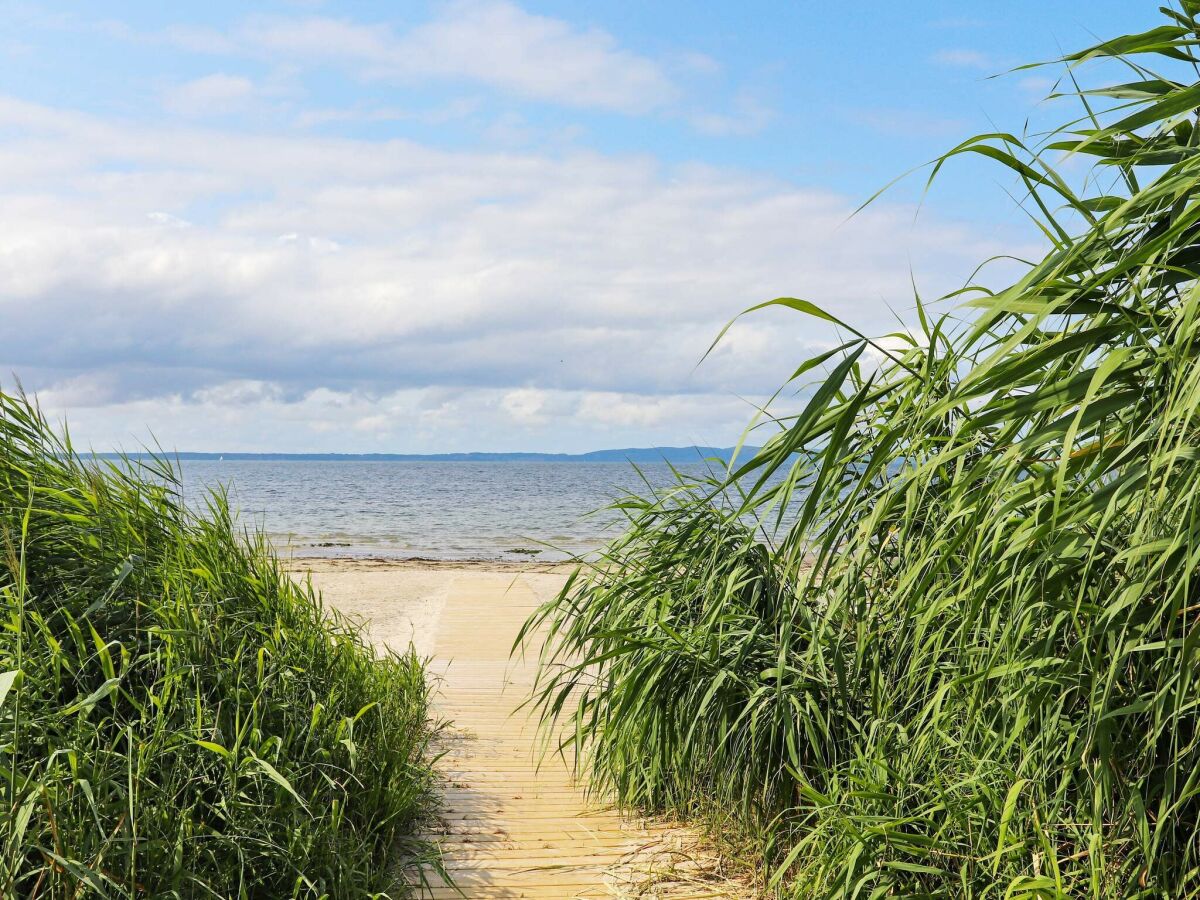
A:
<point x="678" y="455"/>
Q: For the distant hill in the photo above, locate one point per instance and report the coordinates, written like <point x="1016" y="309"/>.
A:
<point x="675" y="455"/>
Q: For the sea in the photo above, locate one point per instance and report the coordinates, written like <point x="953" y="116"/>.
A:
<point x="545" y="511"/>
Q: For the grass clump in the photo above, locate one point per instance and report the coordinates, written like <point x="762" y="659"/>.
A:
<point x="177" y="717"/>
<point x="969" y="668"/>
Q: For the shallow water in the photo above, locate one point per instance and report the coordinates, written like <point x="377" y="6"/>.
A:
<point x="441" y="510"/>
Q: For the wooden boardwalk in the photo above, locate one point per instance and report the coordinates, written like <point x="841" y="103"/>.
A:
<point x="511" y="827"/>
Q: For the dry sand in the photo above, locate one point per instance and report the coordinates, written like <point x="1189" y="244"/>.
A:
<point x="401" y="600"/>
<point x="511" y="824"/>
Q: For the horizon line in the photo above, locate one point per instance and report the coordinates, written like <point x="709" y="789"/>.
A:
<point x="686" y="452"/>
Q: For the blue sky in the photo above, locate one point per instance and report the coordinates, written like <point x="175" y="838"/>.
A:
<point x="482" y="225"/>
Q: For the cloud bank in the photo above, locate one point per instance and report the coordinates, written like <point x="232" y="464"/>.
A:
<point x="241" y="289"/>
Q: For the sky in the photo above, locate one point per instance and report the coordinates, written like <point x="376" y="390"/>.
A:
<point x="482" y="224"/>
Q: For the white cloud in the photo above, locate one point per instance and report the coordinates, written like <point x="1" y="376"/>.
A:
<point x="492" y="290"/>
<point x="613" y="409"/>
<point x="377" y="423"/>
<point x="170" y="221"/>
<point x="240" y="392"/>
<point x="491" y="42"/>
<point x="244" y="416"/>
<point x="525" y="406"/>
<point x="455" y="109"/>
<point x="216" y="94"/>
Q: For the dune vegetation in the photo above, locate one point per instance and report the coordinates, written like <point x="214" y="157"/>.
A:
<point x="968" y="664"/>
<point x="177" y="717"/>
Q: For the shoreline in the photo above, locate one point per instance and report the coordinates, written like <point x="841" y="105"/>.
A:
<point x="310" y="562"/>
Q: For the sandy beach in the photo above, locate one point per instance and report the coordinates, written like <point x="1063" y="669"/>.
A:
<point x="402" y="600"/>
<point x="511" y="824"/>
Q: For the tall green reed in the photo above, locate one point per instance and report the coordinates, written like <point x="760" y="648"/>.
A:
<point x="177" y="717"/>
<point x="970" y="667"/>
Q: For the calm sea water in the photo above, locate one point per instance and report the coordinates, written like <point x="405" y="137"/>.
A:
<point x="454" y="510"/>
